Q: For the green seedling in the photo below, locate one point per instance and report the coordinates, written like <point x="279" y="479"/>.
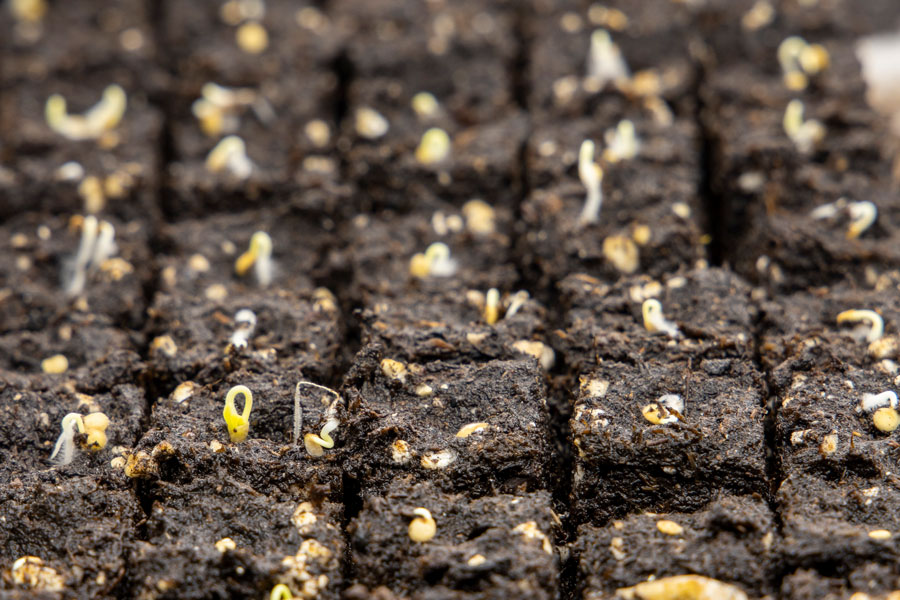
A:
<point x="238" y="424"/>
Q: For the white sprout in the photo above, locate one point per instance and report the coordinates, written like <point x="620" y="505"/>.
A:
<point x="93" y="250"/>
<point x="671" y="402"/>
<point x="605" y="63"/>
<point x="245" y="323"/>
<point x="622" y="143"/>
<point x="65" y="443"/>
<point x="298" y="409"/>
<point x="591" y="176"/>
<point x="798" y="58"/>
<point x="102" y="117"/>
<point x="434" y="262"/>
<point x="654" y="321"/>
<point x="872" y="402"/>
<point x="862" y="215"/>
<point x="230" y="154"/>
<point x="871" y="325"/>
<point x="516" y="302"/>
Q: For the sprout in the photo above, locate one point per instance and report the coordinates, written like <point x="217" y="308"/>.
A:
<point x="491" y="311"/>
<point x="259" y="256"/>
<point x="298" y="409"/>
<point x="245" y="323"/>
<point x="591" y="176"/>
<point x="93" y="250"/>
<point x="654" y="321"/>
<point x="516" y="302"/>
<point x="871" y="325"/>
<point x="425" y="105"/>
<point x="622" y="252"/>
<point x="799" y="59"/>
<point x="805" y="134"/>
<point x="217" y="104"/>
<point x="394" y="369"/>
<point x="467" y="430"/>
<point x="682" y="587"/>
<point x="480" y="217"/>
<point x="605" y="63"/>
<point x="862" y="215"/>
<point x="435" y="262"/>
<point x="102" y="117"/>
<point x="315" y="444"/>
<point x="370" y="124"/>
<point x="94" y="425"/>
<point x="668" y="409"/>
<point x="238" y="424"/>
<point x="422" y="528"/>
<point x="281" y="592"/>
<point x="252" y="37"/>
<point x="622" y="142"/>
<point x="231" y="154"/>
<point x="872" y="402"/>
<point x="434" y="147"/>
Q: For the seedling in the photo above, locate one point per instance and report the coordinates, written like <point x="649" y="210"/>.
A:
<point x="622" y="253"/>
<point x="96" y="246"/>
<point x="862" y="215"/>
<point x="480" y="217"/>
<point x="872" y="402"/>
<point x="422" y="528"/>
<point x="805" y="134"/>
<point x="516" y="302"/>
<point x="217" y="104"/>
<point x="94" y="425"/>
<point x="281" y="592"/>
<point x="682" y="587"/>
<point x="434" y="147"/>
<point x="605" y="63"/>
<point x="230" y="154"/>
<point x="316" y="444"/>
<point x="425" y="105"/>
<point x="435" y="262"/>
<point x="102" y="117"/>
<point x="622" y="143"/>
<point x="799" y="59"/>
<point x="870" y="324"/>
<point x="591" y="176"/>
<point x="298" y="409"/>
<point x="666" y="410"/>
<point x="245" y="323"/>
<point x="491" y="311"/>
<point x="238" y="424"/>
<point x="258" y="256"/>
<point x="252" y="37"/>
<point x="467" y="430"/>
<point x="370" y="124"/>
<point x="654" y="321"/>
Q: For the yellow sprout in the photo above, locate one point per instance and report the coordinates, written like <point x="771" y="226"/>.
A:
<point x="622" y="142"/>
<point x="871" y="326"/>
<point x="422" y="528"/>
<point x="799" y="59"/>
<point x="95" y="425"/>
<point x="480" y="217"/>
<point x="370" y="124"/>
<point x="862" y="215"/>
<point x="492" y="306"/>
<point x="682" y="587"/>
<point x="425" y="105"/>
<point x="259" y="256"/>
<point x="669" y="527"/>
<point x="665" y="410"/>
<point x="591" y="176"/>
<point x="316" y="443"/>
<point x="654" y="321"/>
<point x="230" y="154"/>
<point x="102" y="117"/>
<point x="434" y="147"/>
<point x="434" y="262"/>
<point x="281" y="592"/>
<point x="238" y="424"/>
<point x="805" y="134"/>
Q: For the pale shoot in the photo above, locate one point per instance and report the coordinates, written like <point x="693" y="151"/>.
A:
<point x="605" y="62"/>
<point x="622" y="142"/>
<point x="230" y="155"/>
<point x="434" y="262"/>
<point x="101" y="118"/>
<point x="655" y="321"/>
<point x="804" y="134"/>
<point x="591" y="176"/>
<point x="258" y="256"/>
<point x="870" y="324"/>
<point x="245" y="324"/>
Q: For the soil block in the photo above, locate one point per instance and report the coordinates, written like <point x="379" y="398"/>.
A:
<point x="58" y="272"/>
<point x="492" y="547"/>
<point x="632" y="454"/>
<point x="471" y="428"/>
<point x="868" y="582"/>
<point x="732" y="540"/>
<point x="113" y="174"/>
